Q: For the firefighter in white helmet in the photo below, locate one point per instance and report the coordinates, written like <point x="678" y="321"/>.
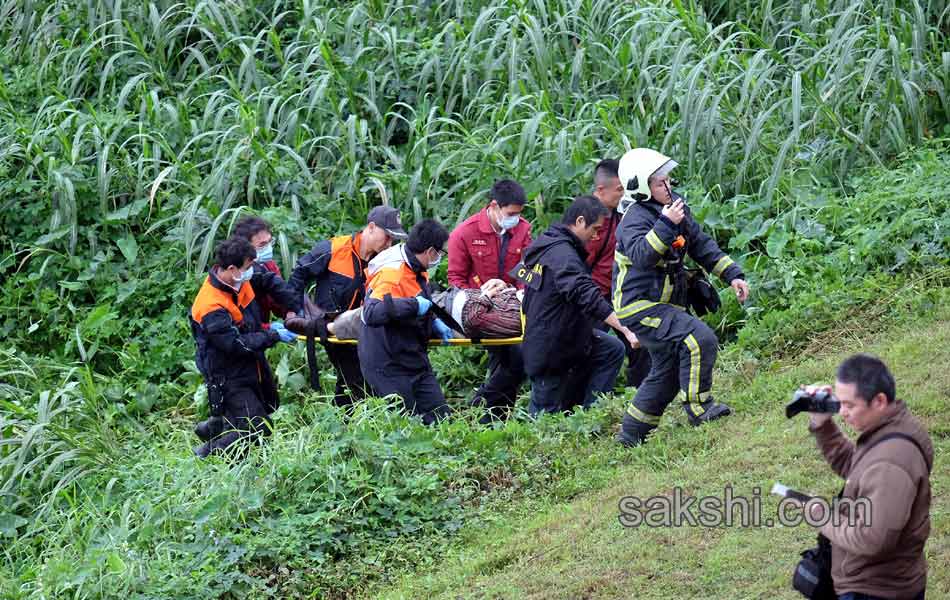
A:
<point x="650" y="294"/>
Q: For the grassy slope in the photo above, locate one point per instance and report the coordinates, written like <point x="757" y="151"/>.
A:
<point x="579" y="550"/>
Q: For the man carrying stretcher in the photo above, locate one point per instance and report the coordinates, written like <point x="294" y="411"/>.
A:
<point x="397" y="322"/>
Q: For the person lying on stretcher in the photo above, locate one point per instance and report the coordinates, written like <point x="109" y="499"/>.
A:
<point x="492" y="312"/>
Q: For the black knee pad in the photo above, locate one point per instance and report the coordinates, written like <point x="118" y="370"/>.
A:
<point x="210" y="429"/>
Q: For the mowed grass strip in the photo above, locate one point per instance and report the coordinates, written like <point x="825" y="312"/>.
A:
<point x="580" y="550"/>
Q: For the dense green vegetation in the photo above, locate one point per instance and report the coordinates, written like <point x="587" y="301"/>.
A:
<point x="812" y="137"/>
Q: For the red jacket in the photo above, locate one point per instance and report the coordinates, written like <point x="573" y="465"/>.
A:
<point x="600" y="253"/>
<point x="267" y="304"/>
<point x="474" y="250"/>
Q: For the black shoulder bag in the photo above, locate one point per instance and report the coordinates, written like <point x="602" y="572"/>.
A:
<point x="701" y="296"/>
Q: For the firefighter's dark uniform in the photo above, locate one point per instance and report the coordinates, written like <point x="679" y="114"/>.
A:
<point x="230" y="345"/>
<point x="336" y="267"/>
<point x="393" y="343"/>
<point x="650" y="298"/>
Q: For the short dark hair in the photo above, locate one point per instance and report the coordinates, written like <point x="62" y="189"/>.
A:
<point x="609" y="168"/>
<point x="234" y="251"/>
<point x="426" y="234"/>
<point x="869" y="374"/>
<point x="588" y="207"/>
<point x="250" y="226"/>
<point x="507" y="191"/>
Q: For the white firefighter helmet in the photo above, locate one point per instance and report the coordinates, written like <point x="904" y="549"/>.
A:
<point x="636" y="167"/>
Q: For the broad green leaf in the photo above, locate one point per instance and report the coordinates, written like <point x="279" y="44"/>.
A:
<point x="776" y="243"/>
<point x="10" y="523"/>
<point x="115" y="562"/>
<point x="127" y="211"/>
<point x="129" y="248"/>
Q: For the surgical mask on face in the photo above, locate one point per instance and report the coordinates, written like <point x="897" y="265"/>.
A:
<point x="435" y="264"/>
<point x="508" y="222"/>
<point x="266" y="253"/>
<point x="245" y="275"/>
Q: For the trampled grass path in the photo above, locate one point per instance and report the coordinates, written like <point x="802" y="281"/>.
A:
<point x="578" y="549"/>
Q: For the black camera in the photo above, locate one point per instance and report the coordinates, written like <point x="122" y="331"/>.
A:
<point x="821" y="401"/>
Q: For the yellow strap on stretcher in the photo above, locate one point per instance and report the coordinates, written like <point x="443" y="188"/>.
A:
<point x="438" y="341"/>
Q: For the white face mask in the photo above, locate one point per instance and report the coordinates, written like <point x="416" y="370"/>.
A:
<point x="435" y="264"/>
<point x="266" y="253"/>
<point x="508" y="222"/>
<point x="245" y="275"/>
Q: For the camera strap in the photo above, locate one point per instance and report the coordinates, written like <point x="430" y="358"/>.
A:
<point x="902" y="436"/>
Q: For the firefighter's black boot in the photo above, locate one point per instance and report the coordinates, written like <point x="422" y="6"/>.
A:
<point x="210" y="429"/>
<point x="203" y="450"/>
<point x="633" y="432"/>
<point x="707" y="411"/>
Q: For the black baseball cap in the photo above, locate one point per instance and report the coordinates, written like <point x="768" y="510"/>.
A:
<point x="388" y="218"/>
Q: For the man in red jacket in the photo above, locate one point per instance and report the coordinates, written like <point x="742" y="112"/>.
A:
<point x="600" y="257"/>
<point x="488" y="245"/>
<point x="257" y="231"/>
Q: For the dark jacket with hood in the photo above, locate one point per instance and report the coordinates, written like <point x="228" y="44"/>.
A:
<point x="561" y="304"/>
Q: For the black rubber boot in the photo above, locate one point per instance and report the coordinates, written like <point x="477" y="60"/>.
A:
<point x="711" y="410"/>
<point x="210" y="429"/>
<point x="203" y="450"/>
<point x="633" y="432"/>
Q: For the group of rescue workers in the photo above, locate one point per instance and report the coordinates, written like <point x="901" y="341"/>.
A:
<point x="614" y="261"/>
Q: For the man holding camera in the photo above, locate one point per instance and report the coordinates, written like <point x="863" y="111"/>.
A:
<point x="882" y="555"/>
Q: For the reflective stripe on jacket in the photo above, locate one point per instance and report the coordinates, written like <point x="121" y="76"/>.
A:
<point x="642" y="273"/>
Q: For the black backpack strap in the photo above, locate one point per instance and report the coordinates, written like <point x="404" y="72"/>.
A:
<point x="902" y="436"/>
<point x="312" y="364"/>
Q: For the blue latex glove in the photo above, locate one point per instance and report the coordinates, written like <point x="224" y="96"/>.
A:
<point x="285" y="334"/>
<point x="424" y="304"/>
<point x="443" y="330"/>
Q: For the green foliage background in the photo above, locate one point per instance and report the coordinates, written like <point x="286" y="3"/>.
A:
<point x="812" y="138"/>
